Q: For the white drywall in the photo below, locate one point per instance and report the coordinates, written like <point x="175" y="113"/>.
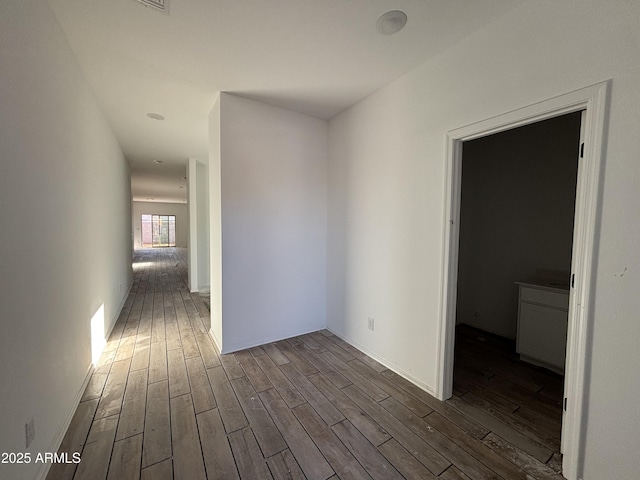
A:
<point x="65" y="206"/>
<point x="180" y="210"/>
<point x="386" y="184"/>
<point x="273" y="222"/>
<point x="202" y="181"/>
<point x="518" y="200"/>
<point x="215" y="221"/>
<point x="198" y="179"/>
<point x="192" y="200"/>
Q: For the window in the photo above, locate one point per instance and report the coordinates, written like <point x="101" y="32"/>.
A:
<point x="158" y="231"/>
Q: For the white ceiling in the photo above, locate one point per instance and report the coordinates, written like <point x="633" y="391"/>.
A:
<point x="317" y="57"/>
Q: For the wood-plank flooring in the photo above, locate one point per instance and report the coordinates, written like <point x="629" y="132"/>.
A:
<point x="163" y="404"/>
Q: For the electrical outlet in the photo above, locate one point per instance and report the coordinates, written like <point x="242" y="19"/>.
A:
<point x="371" y="323"/>
<point x="30" y="431"/>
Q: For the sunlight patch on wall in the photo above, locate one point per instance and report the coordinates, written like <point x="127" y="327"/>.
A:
<point x="98" y="341"/>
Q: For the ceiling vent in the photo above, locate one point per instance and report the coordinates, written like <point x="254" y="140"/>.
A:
<point x="162" y="5"/>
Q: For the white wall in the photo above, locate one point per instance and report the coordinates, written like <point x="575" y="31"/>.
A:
<point x="215" y="223"/>
<point x="518" y="200"/>
<point x="198" y="179"/>
<point x="65" y="205"/>
<point x="273" y="222"/>
<point x="386" y="183"/>
<point x="192" y="199"/>
<point x="202" y="194"/>
<point x="180" y="210"/>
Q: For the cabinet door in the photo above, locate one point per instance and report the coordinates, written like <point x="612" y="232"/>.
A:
<point x="542" y="334"/>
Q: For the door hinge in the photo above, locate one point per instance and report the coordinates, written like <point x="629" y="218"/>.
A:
<point x="582" y="150"/>
<point x="564" y="406"/>
<point x="573" y="280"/>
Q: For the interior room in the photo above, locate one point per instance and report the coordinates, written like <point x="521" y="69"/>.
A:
<point x="516" y="238"/>
<point x="143" y="213"/>
<point x="313" y="141"/>
<point x="517" y="215"/>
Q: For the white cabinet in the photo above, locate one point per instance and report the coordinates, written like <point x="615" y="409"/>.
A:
<point x="542" y="325"/>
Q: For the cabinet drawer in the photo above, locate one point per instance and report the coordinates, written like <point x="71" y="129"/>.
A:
<point x="545" y="297"/>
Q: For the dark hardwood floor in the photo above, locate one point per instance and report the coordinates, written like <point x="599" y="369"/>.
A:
<point x="163" y="404"/>
<point x="520" y="403"/>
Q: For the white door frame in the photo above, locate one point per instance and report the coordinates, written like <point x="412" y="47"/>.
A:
<point x="593" y="100"/>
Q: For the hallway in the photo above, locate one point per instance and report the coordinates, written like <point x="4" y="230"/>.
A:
<point x="163" y="404"/>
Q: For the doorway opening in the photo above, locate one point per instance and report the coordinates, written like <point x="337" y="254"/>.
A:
<point x="592" y="100"/>
<point x="158" y="231"/>
<point x="516" y="232"/>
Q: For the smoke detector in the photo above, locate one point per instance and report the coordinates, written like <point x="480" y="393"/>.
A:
<point x="162" y="5"/>
<point x="391" y="22"/>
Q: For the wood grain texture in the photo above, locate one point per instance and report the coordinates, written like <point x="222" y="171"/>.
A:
<point x="427" y="455"/>
<point x="308" y="456"/>
<point x="247" y="455"/>
<point x="158" y="471"/>
<point x="463" y="421"/>
<point x="330" y="414"/>
<point x="178" y="378"/>
<point x="365" y="424"/>
<point x="141" y="353"/>
<point x="265" y="431"/>
<point x="96" y="453"/>
<point x="187" y="453"/>
<point x="207" y="350"/>
<point x="375" y="392"/>
<point x="253" y="371"/>
<point x="74" y="439"/>
<point x="454" y="454"/>
<point x="158" y="370"/>
<point x="341" y="460"/>
<point x="133" y="406"/>
<point x="283" y="466"/>
<point x="282" y="384"/>
<point x="201" y="392"/>
<point x="331" y="373"/>
<point x="370" y="458"/>
<point x="157" y="428"/>
<point x="163" y="404"/>
<point x="125" y="459"/>
<point x="218" y="458"/>
<point x="113" y="393"/>
<point x="275" y="354"/>
<point x="96" y="383"/>
<point x="231" y="366"/>
<point x="228" y="405"/>
<point x="404" y="462"/>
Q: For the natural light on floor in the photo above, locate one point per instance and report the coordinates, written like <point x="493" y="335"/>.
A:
<point x="140" y="265"/>
<point x="97" y="334"/>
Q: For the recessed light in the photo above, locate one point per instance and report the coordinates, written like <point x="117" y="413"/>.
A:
<point x="391" y="22"/>
<point x="155" y="116"/>
<point x="158" y="161"/>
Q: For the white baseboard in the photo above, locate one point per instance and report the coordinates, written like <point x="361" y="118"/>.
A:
<point x="391" y="366"/>
<point x="270" y="339"/>
<point x="215" y="340"/>
<point x="57" y="440"/>
<point x="114" y="320"/>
